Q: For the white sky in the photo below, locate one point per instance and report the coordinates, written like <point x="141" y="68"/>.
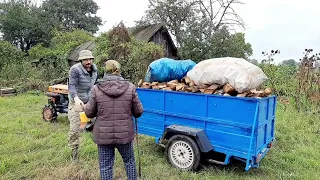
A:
<point x="287" y="25"/>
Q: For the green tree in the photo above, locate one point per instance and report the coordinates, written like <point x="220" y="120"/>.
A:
<point x="174" y="14"/>
<point x="201" y="31"/>
<point x="23" y="24"/>
<point x="290" y="62"/>
<point x="9" y="54"/>
<point x="225" y="44"/>
<point x="253" y="61"/>
<point x="73" y="14"/>
<point x="54" y="64"/>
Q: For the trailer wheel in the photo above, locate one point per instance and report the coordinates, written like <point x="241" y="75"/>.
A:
<point x="183" y="153"/>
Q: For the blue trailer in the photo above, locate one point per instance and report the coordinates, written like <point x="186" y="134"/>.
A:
<point x="190" y="125"/>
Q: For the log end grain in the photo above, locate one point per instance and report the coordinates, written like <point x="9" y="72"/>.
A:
<point x="229" y="89"/>
<point x="146" y="85"/>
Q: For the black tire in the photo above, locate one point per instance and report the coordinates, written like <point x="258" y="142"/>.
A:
<point x="185" y="143"/>
<point x="49" y="114"/>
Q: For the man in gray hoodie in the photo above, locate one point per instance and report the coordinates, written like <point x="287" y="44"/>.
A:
<point x="82" y="76"/>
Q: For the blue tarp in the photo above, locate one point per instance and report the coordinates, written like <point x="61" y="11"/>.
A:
<point x="166" y="69"/>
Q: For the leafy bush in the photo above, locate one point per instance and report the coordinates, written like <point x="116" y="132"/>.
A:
<point x="141" y="55"/>
<point x="66" y="41"/>
<point x="281" y="79"/>
<point x="300" y="83"/>
<point x="61" y="44"/>
<point x="134" y="56"/>
<point x="308" y="86"/>
<point x="44" y="64"/>
<point x="9" y="54"/>
<point x="52" y="61"/>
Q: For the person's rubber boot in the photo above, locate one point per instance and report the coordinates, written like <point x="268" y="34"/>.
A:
<point x="75" y="155"/>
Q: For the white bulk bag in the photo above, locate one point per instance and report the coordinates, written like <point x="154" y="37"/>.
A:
<point x="239" y="73"/>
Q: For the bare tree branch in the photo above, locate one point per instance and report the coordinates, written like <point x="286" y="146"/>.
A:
<point x="206" y="9"/>
<point x="223" y="13"/>
<point x="211" y="9"/>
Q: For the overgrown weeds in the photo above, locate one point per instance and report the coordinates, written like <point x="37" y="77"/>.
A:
<point x="299" y="83"/>
<point x="308" y="86"/>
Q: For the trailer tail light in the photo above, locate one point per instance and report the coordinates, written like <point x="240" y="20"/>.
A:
<point x="270" y="145"/>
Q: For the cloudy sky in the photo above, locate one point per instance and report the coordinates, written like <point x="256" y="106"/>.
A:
<point x="290" y="26"/>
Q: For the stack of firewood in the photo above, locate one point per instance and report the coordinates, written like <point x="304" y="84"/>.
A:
<point x="187" y="85"/>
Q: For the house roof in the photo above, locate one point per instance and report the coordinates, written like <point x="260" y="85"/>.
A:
<point x="74" y="55"/>
<point x="144" y="33"/>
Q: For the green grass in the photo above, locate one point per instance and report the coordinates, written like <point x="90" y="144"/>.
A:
<point x="33" y="149"/>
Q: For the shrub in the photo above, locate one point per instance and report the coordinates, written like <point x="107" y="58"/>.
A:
<point x="9" y="54"/>
<point x="44" y="64"/>
<point x="308" y="82"/>
<point x="298" y="83"/>
<point x="52" y="61"/>
<point x="134" y="56"/>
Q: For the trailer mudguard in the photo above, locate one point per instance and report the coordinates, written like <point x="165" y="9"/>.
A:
<point x="198" y="134"/>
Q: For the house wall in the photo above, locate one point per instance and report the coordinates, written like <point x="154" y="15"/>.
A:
<point x="71" y="62"/>
<point x="162" y="38"/>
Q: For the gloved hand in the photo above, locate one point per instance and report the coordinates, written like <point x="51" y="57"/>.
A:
<point x="78" y="103"/>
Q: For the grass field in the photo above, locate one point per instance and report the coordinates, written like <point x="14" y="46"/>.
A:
<point x="33" y="149"/>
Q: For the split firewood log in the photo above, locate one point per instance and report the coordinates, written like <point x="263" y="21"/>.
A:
<point x="249" y="94"/>
<point x="172" y="85"/>
<point x="202" y="90"/>
<point x="213" y="87"/>
<point x="180" y="86"/>
<point x="186" y="89"/>
<point x="203" y="86"/>
<point x="146" y="85"/>
<point x="155" y="87"/>
<point x="229" y="89"/>
<point x="186" y="80"/>
<point x="191" y="84"/>
<point x="209" y="91"/>
<point x="154" y="83"/>
<point x="162" y="85"/>
<point x="255" y="93"/>
<point x="173" y="81"/>
<point x="260" y="94"/>
<point x="194" y="89"/>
